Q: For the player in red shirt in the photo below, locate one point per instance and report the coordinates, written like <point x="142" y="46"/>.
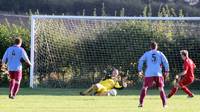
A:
<point x="186" y="77"/>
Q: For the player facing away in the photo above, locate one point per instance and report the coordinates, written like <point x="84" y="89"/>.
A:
<point x="186" y="77"/>
<point x="105" y="87"/>
<point x="154" y="60"/>
<point x="13" y="58"/>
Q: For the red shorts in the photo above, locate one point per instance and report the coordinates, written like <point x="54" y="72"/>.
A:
<point x="17" y="75"/>
<point x="150" y="81"/>
<point x="185" y="81"/>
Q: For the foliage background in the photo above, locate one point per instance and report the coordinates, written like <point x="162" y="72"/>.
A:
<point x="170" y="43"/>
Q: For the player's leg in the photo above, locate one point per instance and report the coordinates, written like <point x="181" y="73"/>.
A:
<point x="90" y="90"/>
<point x="163" y="96"/>
<point x="11" y="83"/>
<point x="18" y="77"/>
<point x="187" y="91"/>
<point x="160" y="84"/>
<point x="102" y="94"/>
<point x="183" y="84"/>
<point x="101" y="90"/>
<point x="148" y="81"/>
<point x="175" y="87"/>
<point x="16" y="87"/>
<point x="143" y="93"/>
<point x="173" y="90"/>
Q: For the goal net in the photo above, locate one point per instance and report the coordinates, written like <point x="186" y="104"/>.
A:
<point x="73" y="51"/>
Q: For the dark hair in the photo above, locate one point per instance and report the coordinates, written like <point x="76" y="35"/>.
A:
<point x="18" y="40"/>
<point x="108" y="73"/>
<point x="153" y="45"/>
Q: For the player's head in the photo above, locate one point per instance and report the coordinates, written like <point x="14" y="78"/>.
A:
<point x="115" y="72"/>
<point x="184" y="54"/>
<point x="154" y="45"/>
<point x="18" y="41"/>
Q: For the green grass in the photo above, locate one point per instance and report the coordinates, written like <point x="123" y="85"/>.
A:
<point x="68" y="100"/>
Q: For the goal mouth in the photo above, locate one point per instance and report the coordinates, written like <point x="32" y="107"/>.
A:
<point x="73" y="51"/>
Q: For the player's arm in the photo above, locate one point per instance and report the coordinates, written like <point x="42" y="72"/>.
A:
<point x="5" y="58"/>
<point x="25" y="57"/>
<point x="118" y="86"/>
<point x="194" y="65"/>
<point x="186" y="67"/>
<point x="182" y="73"/>
<point x="140" y="64"/>
<point x="123" y="83"/>
<point x="1" y="64"/>
<point x="3" y="67"/>
<point x="165" y="64"/>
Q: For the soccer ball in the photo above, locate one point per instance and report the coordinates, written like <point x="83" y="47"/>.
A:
<point x="112" y="92"/>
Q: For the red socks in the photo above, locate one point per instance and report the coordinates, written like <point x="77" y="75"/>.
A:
<point x="13" y="88"/>
<point x="187" y="91"/>
<point x="163" y="97"/>
<point x="142" y="95"/>
<point x="144" y="92"/>
<point x="172" y="92"/>
<point x="16" y="89"/>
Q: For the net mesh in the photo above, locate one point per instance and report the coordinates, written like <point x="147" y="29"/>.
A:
<point x="70" y="52"/>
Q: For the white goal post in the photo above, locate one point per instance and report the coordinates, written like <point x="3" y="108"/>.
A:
<point x="38" y="28"/>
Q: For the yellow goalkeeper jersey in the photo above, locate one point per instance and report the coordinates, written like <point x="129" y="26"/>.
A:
<point x="110" y="84"/>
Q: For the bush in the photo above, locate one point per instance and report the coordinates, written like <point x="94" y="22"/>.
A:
<point x="7" y="33"/>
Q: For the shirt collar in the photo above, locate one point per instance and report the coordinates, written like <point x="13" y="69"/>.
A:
<point x="16" y="45"/>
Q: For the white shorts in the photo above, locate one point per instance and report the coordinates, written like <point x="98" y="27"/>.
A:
<point x="99" y="85"/>
<point x="112" y="92"/>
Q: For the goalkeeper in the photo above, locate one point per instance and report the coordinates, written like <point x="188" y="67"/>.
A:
<point x="107" y="86"/>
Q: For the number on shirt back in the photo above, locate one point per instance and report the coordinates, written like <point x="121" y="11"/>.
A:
<point x="13" y="53"/>
<point x="154" y="58"/>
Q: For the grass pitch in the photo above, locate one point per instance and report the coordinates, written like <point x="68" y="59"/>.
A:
<point x="68" y="100"/>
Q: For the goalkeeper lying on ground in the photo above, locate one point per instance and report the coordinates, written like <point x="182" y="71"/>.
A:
<point x="107" y="86"/>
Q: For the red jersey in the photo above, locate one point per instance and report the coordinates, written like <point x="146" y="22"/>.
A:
<point x="189" y="67"/>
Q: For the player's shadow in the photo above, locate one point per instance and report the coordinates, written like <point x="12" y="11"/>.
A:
<point x="63" y="91"/>
<point x="75" y="92"/>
